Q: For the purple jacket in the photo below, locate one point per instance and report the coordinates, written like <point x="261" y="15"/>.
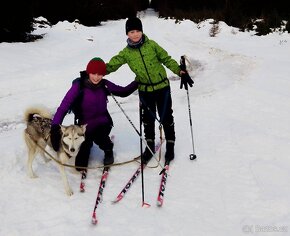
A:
<point x="94" y="102"/>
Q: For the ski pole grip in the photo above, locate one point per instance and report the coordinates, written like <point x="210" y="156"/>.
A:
<point x="182" y="63"/>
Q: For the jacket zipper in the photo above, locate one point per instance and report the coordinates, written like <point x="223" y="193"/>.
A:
<point x="146" y="69"/>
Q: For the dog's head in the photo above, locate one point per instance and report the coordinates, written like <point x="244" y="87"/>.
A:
<point x="72" y="138"/>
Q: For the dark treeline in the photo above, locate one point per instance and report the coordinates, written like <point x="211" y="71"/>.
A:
<point x="16" y="17"/>
<point x="88" y="12"/>
<point x="237" y="13"/>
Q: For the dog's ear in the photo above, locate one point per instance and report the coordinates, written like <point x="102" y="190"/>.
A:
<point x="62" y="127"/>
<point x="84" y="127"/>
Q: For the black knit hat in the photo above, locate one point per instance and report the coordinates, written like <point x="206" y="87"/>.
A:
<point x="133" y="24"/>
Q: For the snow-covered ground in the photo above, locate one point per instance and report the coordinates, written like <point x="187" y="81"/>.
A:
<point x="240" y="106"/>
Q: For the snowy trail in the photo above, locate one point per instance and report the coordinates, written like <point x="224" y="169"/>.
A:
<point x="240" y="109"/>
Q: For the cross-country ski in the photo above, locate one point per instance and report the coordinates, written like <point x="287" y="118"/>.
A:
<point x="100" y="194"/>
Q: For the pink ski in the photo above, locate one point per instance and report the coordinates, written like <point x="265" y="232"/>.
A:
<point x="161" y="191"/>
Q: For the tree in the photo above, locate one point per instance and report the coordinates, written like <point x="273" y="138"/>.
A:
<point x="15" y="20"/>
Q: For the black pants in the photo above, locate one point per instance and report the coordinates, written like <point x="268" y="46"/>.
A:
<point x="160" y="99"/>
<point x="99" y="136"/>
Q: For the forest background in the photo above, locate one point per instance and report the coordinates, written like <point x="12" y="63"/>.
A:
<point x="17" y="18"/>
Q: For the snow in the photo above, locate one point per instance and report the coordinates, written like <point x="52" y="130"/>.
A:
<point x="240" y="105"/>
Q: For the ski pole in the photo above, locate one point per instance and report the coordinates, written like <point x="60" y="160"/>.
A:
<point x="139" y="134"/>
<point x="191" y="156"/>
<point x="142" y="161"/>
<point x="183" y="67"/>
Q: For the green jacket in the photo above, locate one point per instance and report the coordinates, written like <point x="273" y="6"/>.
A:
<point x="146" y="62"/>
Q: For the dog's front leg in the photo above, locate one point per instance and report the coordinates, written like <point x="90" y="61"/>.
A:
<point x="31" y="156"/>
<point x="32" y="150"/>
<point x="63" y="158"/>
<point x="46" y="159"/>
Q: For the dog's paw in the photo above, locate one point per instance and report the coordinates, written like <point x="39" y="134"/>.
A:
<point x="69" y="192"/>
<point x="32" y="175"/>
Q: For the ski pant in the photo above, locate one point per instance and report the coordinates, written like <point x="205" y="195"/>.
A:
<point x="99" y="136"/>
<point x="160" y="99"/>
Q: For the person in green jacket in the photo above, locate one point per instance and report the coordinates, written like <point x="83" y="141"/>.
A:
<point x="146" y="59"/>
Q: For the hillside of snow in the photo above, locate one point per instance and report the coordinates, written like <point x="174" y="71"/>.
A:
<point x="240" y="106"/>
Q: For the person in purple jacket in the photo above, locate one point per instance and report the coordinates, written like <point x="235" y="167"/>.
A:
<point x="92" y="111"/>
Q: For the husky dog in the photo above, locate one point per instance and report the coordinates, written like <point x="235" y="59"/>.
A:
<point x="37" y="137"/>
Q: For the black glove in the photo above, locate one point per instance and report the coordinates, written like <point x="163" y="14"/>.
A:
<point x="185" y="80"/>
<point x="55" y="136"/>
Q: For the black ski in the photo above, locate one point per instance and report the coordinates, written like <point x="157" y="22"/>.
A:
<point x="133" y="178"/>
<point x="164" y="174"/>
<point x="82" y="184"/>
<point x="100" y="193"/>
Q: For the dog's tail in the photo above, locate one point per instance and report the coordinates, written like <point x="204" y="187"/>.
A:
<point x="36" y="110"/>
